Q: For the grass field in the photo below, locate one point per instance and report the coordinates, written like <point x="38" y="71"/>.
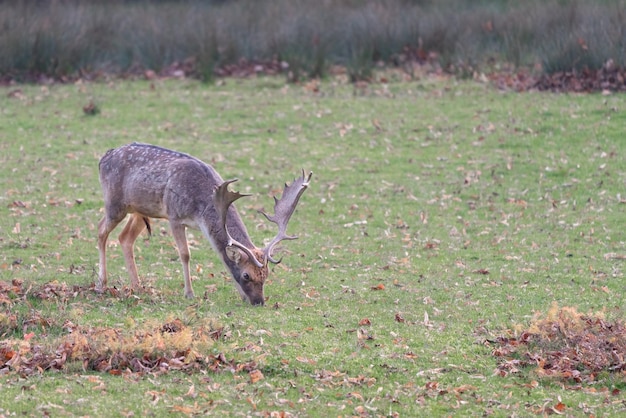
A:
<point x="442" y="214"/>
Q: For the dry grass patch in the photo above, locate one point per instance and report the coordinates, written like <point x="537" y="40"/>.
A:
<point x="151" y="347"/>
<point x="565" y="344"/>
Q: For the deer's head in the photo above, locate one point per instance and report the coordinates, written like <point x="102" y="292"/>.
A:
<point x="251" y="264"/>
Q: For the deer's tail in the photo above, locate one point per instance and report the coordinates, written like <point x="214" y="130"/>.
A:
<point x="147" y="222"/>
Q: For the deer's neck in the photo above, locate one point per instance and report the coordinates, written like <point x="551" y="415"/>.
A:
<point x="216" y="234"/>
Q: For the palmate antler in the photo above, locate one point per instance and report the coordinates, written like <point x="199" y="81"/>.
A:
<point x="283" y="209"/>
<point x="222" y="199"/>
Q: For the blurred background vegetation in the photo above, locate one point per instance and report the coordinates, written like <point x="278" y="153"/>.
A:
<point x="306" y="38"/>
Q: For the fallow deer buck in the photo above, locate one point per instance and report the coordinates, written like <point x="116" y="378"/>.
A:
<point x="147" y="181"/>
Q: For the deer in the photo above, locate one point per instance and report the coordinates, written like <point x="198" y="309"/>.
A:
<point x="149" y="182"/>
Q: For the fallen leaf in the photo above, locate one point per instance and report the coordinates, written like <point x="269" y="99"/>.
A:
<point x="431" y="385"/>
<point x="184" y="409"/>
<point x="532" y="385"/>
<point x="7" y="354"/>
<point x="465" y="388"/>
<point x="191" y="393"/>
<point x="101" y="386"/>
<point x="255" y="376"/>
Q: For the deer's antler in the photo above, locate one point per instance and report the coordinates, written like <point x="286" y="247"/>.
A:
<point x="222" y="199"/>
<point x="283" y="209"/>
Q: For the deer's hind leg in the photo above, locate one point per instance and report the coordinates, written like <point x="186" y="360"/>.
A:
<point x="105" y="226"/>
<point x="135" y="225"/>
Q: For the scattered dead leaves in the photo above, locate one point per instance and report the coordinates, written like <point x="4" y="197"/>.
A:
<point x="609" y="78"/>
<point x="153" y="347"/>
<point x="565" y="344"/>
<point x="337" y="379"/>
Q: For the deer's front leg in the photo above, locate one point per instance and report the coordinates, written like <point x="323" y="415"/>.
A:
<point x="129" y="234"/>
<point x="178" y="230"/>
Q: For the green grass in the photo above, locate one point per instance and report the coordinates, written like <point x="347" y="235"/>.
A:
<point x="420" y="187"/>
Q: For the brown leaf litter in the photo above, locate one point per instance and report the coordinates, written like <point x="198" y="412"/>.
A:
<point x="154" y="347"/>
<point x="566" y="345"/>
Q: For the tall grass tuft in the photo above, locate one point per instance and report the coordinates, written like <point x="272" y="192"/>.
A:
<point x="65" y="38"/>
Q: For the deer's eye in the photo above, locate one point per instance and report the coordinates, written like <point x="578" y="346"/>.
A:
<point x="246" y="277"/>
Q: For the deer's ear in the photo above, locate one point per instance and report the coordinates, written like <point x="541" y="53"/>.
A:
<point x="233" y="253"/>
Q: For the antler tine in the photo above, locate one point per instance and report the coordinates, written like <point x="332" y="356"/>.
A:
<point x="283" y="209"/>
<point x="222" y="199"/>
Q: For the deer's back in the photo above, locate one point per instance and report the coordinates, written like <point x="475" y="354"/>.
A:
<point x="155" y="181"/>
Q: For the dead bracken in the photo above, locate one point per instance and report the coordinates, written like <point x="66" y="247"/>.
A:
<point x="154" y="347"/>
<point x="565" y="344"/>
